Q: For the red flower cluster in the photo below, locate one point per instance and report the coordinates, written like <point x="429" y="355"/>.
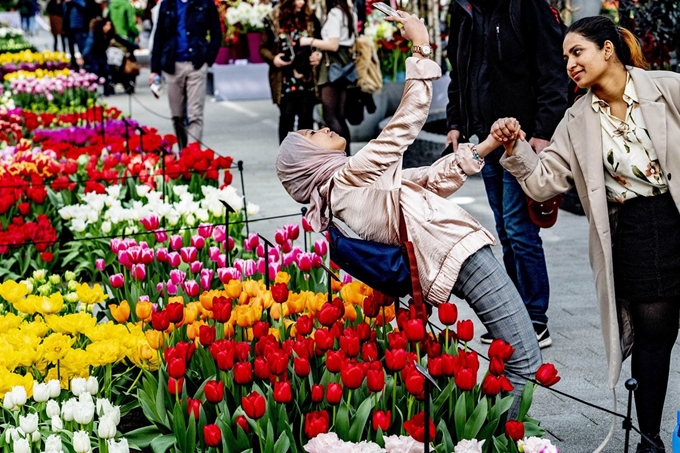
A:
<point x="18" y="233"/>
<point x="194" y="160"/>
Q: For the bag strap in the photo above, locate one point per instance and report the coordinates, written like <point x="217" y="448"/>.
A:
<point x="416" y="287"/>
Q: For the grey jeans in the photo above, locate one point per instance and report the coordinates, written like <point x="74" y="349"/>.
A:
<point x="186" y="95"/>
<point x="486" y="287"/>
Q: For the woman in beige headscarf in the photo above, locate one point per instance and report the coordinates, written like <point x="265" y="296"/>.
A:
<point x="370" y="189"/>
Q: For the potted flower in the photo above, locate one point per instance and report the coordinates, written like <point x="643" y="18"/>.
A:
<point x="248" y="17"/>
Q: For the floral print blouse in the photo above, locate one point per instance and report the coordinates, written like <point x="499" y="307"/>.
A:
<point x="631" y="164"/>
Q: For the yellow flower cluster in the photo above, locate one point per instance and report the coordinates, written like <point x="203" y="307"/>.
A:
<point x="37" y="74"/>
<point x="27" y="163"/>
<point x="28" y="56"/>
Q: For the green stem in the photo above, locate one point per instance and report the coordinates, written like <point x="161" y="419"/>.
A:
<point x="135" y="381"/>
<point x="410" y="407"/>
<point x="349" y="400"/>
<point x="447" y="339"/>
<point x="259" y="436"/>
<point x="394" y="394"/>
<point x="418" y="351"/>
<point x="335" y="411"/>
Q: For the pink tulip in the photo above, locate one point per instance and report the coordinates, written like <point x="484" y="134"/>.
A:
<point x="205" y="230"/>
<point x="274" y="269"/>
<point x="117" y="280"/>
<point x="174" y="259"/>
<point x="161" y="235"/>
<point x="138" y="271"/>
<point x="196" y="267"/>
<point x="144" y="298"/>
<point x="188" y="254"/>
<point x="151" y="223"/>
<point x="162" y="255"/>
<point x="198" y="241"/>
<point x="124" y="258"/>
<point x="288" y="259"/>
<point x="251" y="242"/>
<point x="191" y="288"/>
<point x="147" y="256"/>
<point x="221" y="260"/>
<point x="213" y="253"/>
<point x="135" y="254"/>
<point x="219" y="233"/>
<point x="321" y="247"/>
<point x="143" y="245"/>
<point x="280" y="237"/>
<point x="171" y="288"/>
<point x="346" y="279"/>
<point x="230" y="243"/>
<point x="176" y="242"/>
<point x="304" y="261"/>
<point x="99" y="264"/>
<point x="287" y="246"/>
<point x="227" y="274"/>
<point x="306" y="227"/>
<point x="177" y="276"/>
<point x="159" y="288"/>
<point x="260" y="266"/>
<point x="206" y="279"/>
<point x="259" y="251"/>
<point x="293" y="231"/>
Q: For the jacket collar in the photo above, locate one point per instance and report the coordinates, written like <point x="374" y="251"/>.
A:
<point x="466" y="5"/>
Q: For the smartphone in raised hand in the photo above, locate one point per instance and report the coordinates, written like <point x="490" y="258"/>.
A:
<point x="386" y="9"/>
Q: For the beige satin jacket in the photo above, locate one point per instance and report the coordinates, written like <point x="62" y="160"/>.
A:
<point x="574" y="158"/>
<point x="370" y="189"/>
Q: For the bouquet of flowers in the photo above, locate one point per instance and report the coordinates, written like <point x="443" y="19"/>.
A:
<point x="391" y="46"/>
<point x="247" y="16"/>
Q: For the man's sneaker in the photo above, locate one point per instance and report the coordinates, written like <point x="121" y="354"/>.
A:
<point x="542" y="335"/>
<point x="486" y="338"/>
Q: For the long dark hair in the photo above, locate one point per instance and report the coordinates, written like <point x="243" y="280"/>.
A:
<point x="290" y="20"/>
<point x="97" y="28"/>
<point x="599" y="29"/>
<point x="346" y="9"/>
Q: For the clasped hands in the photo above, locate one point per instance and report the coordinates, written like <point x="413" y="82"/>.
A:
<point x="507" y="131"/>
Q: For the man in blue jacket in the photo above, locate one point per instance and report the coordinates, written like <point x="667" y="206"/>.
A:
<point x="76" y="26"/>
<point x="506" y="61"/>
<point x="186" y="42"/>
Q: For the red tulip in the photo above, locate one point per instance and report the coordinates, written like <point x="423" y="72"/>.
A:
<point x="371" y="307"/>
<point x="329" y="314"/>
<point x="221" y="309"/>
<point x="334" y="361"/>
<point x="261" y="368"/>
<point x="375" y="380"/>
<point x="282" y="392"/>
<point x="448" y="314"/>
<point x="465" y="379"/>
<point x="491" y="385"/>
<point x="500" y="349"/>
<point x="466" y="330"/>
<point x="416" y="427"/>
<point x="395" y="360"/>
<point x="242" y="351"/>
<point x="243" y="423"/>
<point x="414" y="381"/>
<point x="301" y="367"/>
<point x="334" y="393"/>
<point x="243" y="373"/>
<point x="369" y="352"/>
<point x="193" y="407"/>
<point x="363" y="331"/>
<point x="382" y="420"/>
<point x="434" y="366"/>
<point x="260" y="329"/>
<point x="414" y="330"/>
<point x="160" y="320"/>
<point x="317" y="393"/>
<point x="514" y="430"/>
<point x="214" y="391"/>
<point x="448" y="364"/>
<point x="212" y="435"/>
<point x="254" y="405"/>
<point x="547" y="375"/>
<point x="175" y="312"/>
<point x="496" y="367"/>
<point x="175" y="386"/>
<point x="277" y="362"/>
<point x="397" y="340"/>
<point x="350" y="345"/>
<point x="304" y="324"/>
<point x="316" y="423"/>
<point x="177" y="368"/>
<point x="206" y="335"/>
<point x="352" y="375"/>
<point x="279" y="292"/>
<point x="324" y="340"/>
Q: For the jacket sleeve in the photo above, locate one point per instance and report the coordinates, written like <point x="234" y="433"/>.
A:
<point x="159" y="37"/>
<point x="364" y="168"/>
<point x="544" y="175"/>
<point x="215" y="33"/>
<point x="551" y="97"/>
<point x="80" y="4"/>
<point x="89" y="43"/>
<point x="268" y="43"/>
<point x="448" y="174"/>
<point x="453" y="120"/>
<point x="131" y="21"/>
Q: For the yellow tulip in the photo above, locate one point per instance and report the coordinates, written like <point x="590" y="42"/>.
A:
<point x="176" y="299"/>
<point x="48" y="305"/>
<point x="315" y="301"/>
<point x="253" y="287"/>
<point x="207" y="297"/>
<point x="350" y="312"/>
<point x="244" y="298"/>
<point x="296" y="303"/>
<point x="229" y="329"/>
<point x="194" y="329"/>
<point x="245" y="316"/>
<point x="89" y="295"/>
<point x="143" y="310"/>
<point x="121" y="313"/>
<point x="275" y="332"/>
<point x="355" y="293"/>
<point x="55" y="347"/>
<point x="191" y="312"/>
<point x="9" y="322"/>
<point x="76" y="363"/>
<point x="71" y="324"/>
<point x="12" y="291"/>
<point x="105" y="352"/>
<point x="282" y="277"/>
<point x="155" y="339"/>
<point x="233" y="289"/>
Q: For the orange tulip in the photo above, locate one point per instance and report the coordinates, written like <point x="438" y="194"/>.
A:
<point x="355" y="293"/>
<point x="143" y="311"/>
<point x="228" y="330"/>
<point x="243" y="298"/>
<point x="336" y="285"/>
<point x="350" y="312"/>
<point x="191" y="312"/>
<point x="296" y="303"/>
<point x="282" y="277"/>
<point x="121" y="313"/>
<point x="155" y="338"/>
<point x="193" y="329"/>
<point x="233" y="289"/>
<point x="253" y="287"/>
<point x="207" y="297"/>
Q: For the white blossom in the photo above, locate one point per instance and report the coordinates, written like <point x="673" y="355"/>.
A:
<point x="469" y="446"/>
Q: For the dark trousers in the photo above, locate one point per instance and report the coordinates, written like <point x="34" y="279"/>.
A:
<point x="299" y="104"/>
<point x="76" y="37"/>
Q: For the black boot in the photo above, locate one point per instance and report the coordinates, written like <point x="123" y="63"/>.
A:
<point x="180" y="131"/>
<point x="647" y="447"/>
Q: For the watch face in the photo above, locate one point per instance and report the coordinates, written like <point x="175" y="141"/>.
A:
<point x="426" y="50"/>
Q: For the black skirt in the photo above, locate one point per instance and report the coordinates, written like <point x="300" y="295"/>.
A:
<point x="646" y="249"/>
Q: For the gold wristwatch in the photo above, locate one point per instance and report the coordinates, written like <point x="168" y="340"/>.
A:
<point x="425" y="50"/>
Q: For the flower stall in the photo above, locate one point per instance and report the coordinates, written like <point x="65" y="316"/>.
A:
<point x="136" y="313"/>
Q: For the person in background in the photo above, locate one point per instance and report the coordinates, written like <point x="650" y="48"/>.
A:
<point x="338" y="35"/>
<point x="55" y="11"/>
<point x="105" y="53"/>
<point x="506" y="61"/>
<point x="618" y="146"/>
<point x="75" y="26"/>
<point x="291" y="76"/>
<point x="27" y="10"/>
<point x="186" y="41"/>
<point x="122" y="15"/>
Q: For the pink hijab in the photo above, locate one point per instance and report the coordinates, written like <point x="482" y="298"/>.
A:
<point x="303" y="167"/>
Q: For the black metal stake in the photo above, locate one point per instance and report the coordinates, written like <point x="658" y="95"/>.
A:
<point x="429" y="381"/>
<point x="162" y="152"/>
<point x="245" y="201"/>
<point x="631" y="385"/>
<point x="103" y="126"/>
<point x="267" y="244"/>
<point x="332" y="275"/>
<point x="304" y="233"/>
<point x="127" y="136"/>
<point x="226" y="229"/>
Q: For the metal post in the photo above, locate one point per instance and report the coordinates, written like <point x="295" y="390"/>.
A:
<point x="103" y="126"/>
<point x="304" y="233"/>
<point x="426" y="439"/>
<point x="245" y="201"/>
<point x="267" y="244"/>
<point x="631" y="386"/>
<point x="127" y="136"/>
<point x="226" y="229"/>
<point x="332" y="275"/>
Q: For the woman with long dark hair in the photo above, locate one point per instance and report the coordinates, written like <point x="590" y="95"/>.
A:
<point x="618" y="146"/>
<point x="338" y="35"/>
<point x="291" y="77"/>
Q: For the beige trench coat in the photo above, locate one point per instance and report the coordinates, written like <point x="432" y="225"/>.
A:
<point x="575" y="158"/>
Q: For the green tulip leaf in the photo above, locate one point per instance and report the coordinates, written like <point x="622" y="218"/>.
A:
<point x="440" y="403"/>
<point x="532" y="429"/>
<point x="525" y="402"/>
<point x="142" y="437"/>
<point x="504" y="404"/>
<point x="282" y="445"/>
<point x="500" y="444"/>
<point x="447" y="441"/>
<point x="161" y="444"/>
<point x="228" y="440"/>
<point x="477" y="419"/>
<point x="342" y="422"/>
<point x="359" y="421"/>
<point x="269" y="441"/>
<point x="179" y="426"/>
<point x="190" y="439"/>
<point x="459" y="417"/>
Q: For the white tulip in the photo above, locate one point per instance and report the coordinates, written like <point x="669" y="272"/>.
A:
<point x="35" y="436"/>
<point x="78" y="386"/>
<point x="81" y="442"/>
<point x="12" y="434"/>
<point x="54" y="387"/>
<point x="92" y="385"/>
<point x="53" y="443"/>
<point x="29" y="423"/>
<point x="113" y="412"/>
<point x="53" y="409"/>
<point x="106" y="227"/>
<point x="19" y="396"/>
<point x="21" y="446"/>
<point x="41" y="392"/>
<point x="83" y="413"/>
<point x="106" y="428"/>
<point x="56" y="424"/>
<point x="118" y="447"/>
<point x="67" y="409"/>
<point x="8" y="401"/>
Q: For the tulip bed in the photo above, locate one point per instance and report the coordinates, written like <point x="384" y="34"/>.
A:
<point x="198" y="337"/>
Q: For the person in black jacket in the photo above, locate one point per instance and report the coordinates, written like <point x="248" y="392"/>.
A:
<point x="75" y="22"/>
<point x="506" y="61"/>
<point x="186" y="42"/>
